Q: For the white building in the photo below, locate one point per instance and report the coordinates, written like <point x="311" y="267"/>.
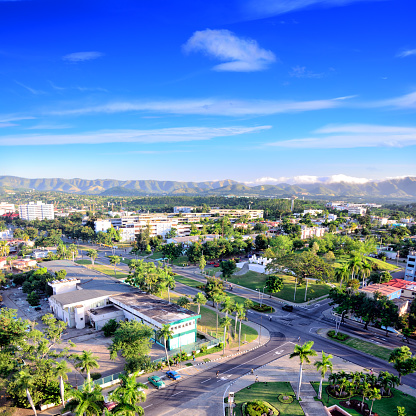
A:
<point x="410" y="272"/>
<point x="6" y="208"/>
<point x="332" y="217"/>
<point x="309" y="232"/>
<point x="313" y="212"/>
<point x="177" y="210"/>
<point x="36" y="211"/>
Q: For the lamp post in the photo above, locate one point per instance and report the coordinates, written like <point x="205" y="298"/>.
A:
<point x="262" y="296"/>
<point x="306" y="289"/>
<point x="294" y="296"/>
<point x="259" y="293"/>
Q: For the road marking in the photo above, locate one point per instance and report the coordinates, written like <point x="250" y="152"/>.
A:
<point x="147" y="406"/>
<point x="179" y="392"/>
<point x="206" y="380"/>
<point x="279" y="352"/>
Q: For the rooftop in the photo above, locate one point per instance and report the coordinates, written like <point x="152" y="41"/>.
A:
<point x="158" y="309"/>
<point x="105" y="309"/>
<point x="399" y="283"/>
<point x="383" y="289"/>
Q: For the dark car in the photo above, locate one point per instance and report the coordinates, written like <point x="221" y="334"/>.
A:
<point x="288" y="308"/>
<point x="173" y="375"/>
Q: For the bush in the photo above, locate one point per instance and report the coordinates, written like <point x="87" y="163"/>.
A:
<point x="285" y="398"/>
<point x="95" y="376"/>
<point x="256" y="408"/>
<point x="138" y="364"/>
<point x="220" y="345"/>
<point x="262" y="308"/>
<point x="33" y="299"/>
<point x="110" y="327"/>
<point x="204" y="348"/>
<point x="340" y="336"/>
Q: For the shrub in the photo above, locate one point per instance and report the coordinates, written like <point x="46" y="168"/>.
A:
<point x="110" y="327"/>
<point x="256" y="408"/>
<point x="340" y="336"/>
<point x="285" y="398"/>
<point x="204" y="348"/>
<point x="220" y="345"/>
<point x="95" y="376"/>
<point x="262" y="308"/>
<point x="33" y="299"/>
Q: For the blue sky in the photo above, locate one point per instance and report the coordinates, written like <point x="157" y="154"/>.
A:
<point x="261" y="91"/>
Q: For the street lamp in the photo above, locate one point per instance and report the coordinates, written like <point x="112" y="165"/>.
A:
<point x="294" y="296"/>
<point x="261" y="302"/>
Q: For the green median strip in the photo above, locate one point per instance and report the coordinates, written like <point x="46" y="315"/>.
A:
<point x="367" y="347"/>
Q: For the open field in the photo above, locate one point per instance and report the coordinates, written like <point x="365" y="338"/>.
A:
<point x="268" y="392"/>
<point x="383" y="407"/>
<point x="254" y="280"/>
<point x="381" y="265"/>
<point x="108" y="270"/>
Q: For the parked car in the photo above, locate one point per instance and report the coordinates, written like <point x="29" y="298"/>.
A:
<point x="211" y="263"/>
<point x="156" y="381"/>
<point x="173" y="375"/>
<point x="216" y="265"/>
<point x="288" y="308"/>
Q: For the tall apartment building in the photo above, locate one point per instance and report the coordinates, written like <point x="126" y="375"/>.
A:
<point x="36" y="211"/>
<point x="410" y="272"/>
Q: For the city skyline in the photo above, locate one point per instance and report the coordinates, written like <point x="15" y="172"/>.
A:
<point x="257" y="92"/>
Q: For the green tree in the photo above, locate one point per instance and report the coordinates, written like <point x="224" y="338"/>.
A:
<point x="401" y="411"/>
<point x="25" y="381"/>
<point x="93" y="254"/>
<point x="202" y="263"/>
<point x="61" y="371"/>
<point x="240" y="314"/>
<point x="342" y="273"/>
<point x="132" y="338"/>
<point x="323" y="367"/>
<point x="183" y="302"/>
<point x="200" y="299"/>
<point x="110" y="327"/>
<point x="114" y="260"/>
<point x="403" y="362"/>
<point x="73" y="251"/>
<point x="303" y="352"/>
<point x="228" y="267"/>
<point x="86" y="402"/>
<point x="225" y="323"/>
<point x="373" y="394"/>
<point x="33" y="298"/>
<point x="166" y="333"/>
<point x="274" y="284"/>
<point x="85" y="362"/>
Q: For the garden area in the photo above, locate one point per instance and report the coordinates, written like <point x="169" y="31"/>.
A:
<point x="275" y="396"/>
<point x="254" y="280"/>
<point x="363" y="394"/>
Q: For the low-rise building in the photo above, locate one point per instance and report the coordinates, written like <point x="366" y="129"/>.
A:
<point x="389" y="291"/>
<point x="309" y="232"/>
<point x="410" y="271"/>
<point x="6" y="208"/>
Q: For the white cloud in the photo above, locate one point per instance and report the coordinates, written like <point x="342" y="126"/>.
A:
<point x="239" y="55"/>
<point x="266" y="8"/>
<point x="2" y="125"/>
<point x="405" y="54"/>
<point x="356" y="135"/>
<point x="302" y="72"/>
<point x="49" y="127"/>
<point x="30" y="89"/>
<point x="169" y="135"/>
<point x="404" y="101"/>
<point x="309" y="179"/>
<point x="208" y="106"/>
<point x="14" y="117"/>
<point x="82" y="56"/>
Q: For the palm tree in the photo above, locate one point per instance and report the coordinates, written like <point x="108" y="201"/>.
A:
<point x="200" y="299"/>
<point x="388" y="381"/>
<point x="86" y="402"/>
<point x="170" y="283"/>
<point x="166" y="333"/>
<point x="85" y="362"/>
<point x="240" y="314"/>
<point x="323" y="367"/>
<point x="4" y="249"/>
<point x="365" y="388"/>
<point x="183" y="302"/>
<point x="130" y="391"/>
<point x="114" y="260"/>
<point x="125" y="409"/>
<point x="365" y="270"/>
<point x="92" y="254"/>
<point x="373" y="394"/>
<point x="216" y="299"/>
<point x="342" y="273"/>
<point x="24" y="380"/>
<point x="61" y="371"/>
<point x="225" y="323"/>
<point x="227" y="306"/>
<point x="304" y="353"/>
<point x="354" y="265"/>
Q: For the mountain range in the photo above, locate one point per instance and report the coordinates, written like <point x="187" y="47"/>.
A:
<point x="395" y="189"/>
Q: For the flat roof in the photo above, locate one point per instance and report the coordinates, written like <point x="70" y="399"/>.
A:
<point x="105" y="309"/>
<point x="399" y="283"/>
<point x="76" y="296"/>
<point x="155" y="308"/>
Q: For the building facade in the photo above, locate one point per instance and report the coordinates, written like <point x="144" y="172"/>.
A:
<point x="36" y="211"/>
<point x="410" y="272"/>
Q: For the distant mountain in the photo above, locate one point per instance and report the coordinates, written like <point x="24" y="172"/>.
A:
<point x="394" y="189"/>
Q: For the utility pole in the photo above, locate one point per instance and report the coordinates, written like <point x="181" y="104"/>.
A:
<point x="306" y="290"/>
<point x="294" y="296"/>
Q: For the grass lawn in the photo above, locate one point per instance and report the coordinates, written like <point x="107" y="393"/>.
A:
<point x="381" y="265"/>
<point x="383" y="407"/>
<point x="268" y="392"/>
<point x="194" y="283"/>
<point x="254" y="280"/>
<point x="367" y="347"/>
<point x="109" y="270"/>
<point x="208" y="322"/>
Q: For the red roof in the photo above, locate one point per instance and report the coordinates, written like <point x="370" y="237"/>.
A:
<point x="398" y="283"/>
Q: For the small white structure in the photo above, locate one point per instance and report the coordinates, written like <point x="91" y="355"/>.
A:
<point x="79" y="316"/>
<point x="64" y="286"/>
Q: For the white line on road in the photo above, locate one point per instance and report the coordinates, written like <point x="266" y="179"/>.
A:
<point x="147" y="406"/>
<point x="179" y="392"/>
<point x="206" y="380"/>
